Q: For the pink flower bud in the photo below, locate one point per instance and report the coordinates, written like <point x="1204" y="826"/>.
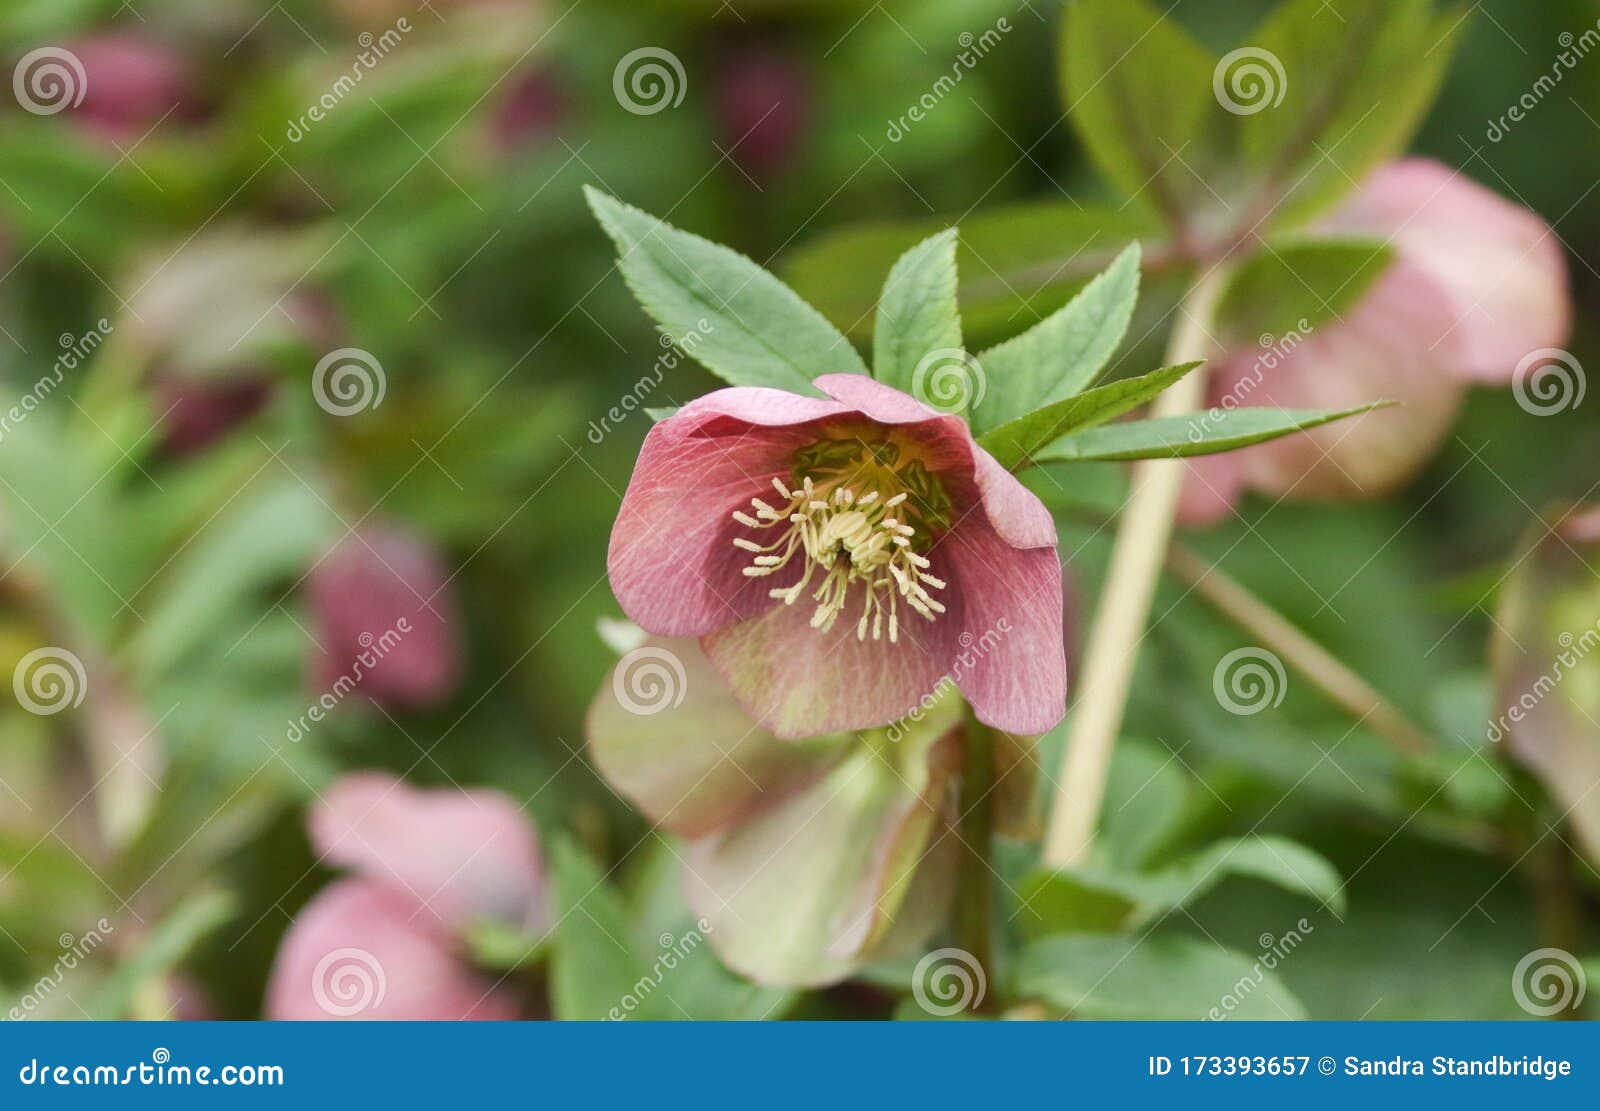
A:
<point x="530" y="112"/>
<point x="130" y="84"/>
<point x="197" y="412"/>
<point x="386" y="620"/>
<point x="762" y="101"/>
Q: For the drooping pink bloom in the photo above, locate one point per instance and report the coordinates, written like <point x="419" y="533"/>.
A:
<point x="386" y="943"/>
<point x="837" y="555"/>
<point x="532" y="110"/>
<point x="197" y="412"/>
<point x="130" y="84"/>
<point x="806" y="859"/>
<point x="1476" y="286"/>
<point x="386" y="620"/>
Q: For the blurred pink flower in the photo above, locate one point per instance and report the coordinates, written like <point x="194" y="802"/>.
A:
<point x="386" y="943"/>
<point x="531" y="110"/>
<point x="131" y="84"/>
<point x="197" y="412"/>
<point x="1477" y="284"/>
<point x="386" y="620"/>
<point x="762" y="103"/>
<point x="837" y="555"/>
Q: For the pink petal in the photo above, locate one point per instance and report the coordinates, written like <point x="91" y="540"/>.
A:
<point x="798" y="681"/>
<point x="665" y="732"/>
<point x="1011" y="657"/>
<point x="1214" y="486"/>
<point x="356" y="951"/>
<point x="131" y="83"/>
<point x="454" y="856"/>
<point x="1500" y="265"/>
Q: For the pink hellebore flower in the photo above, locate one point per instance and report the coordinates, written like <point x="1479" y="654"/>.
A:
<point x="1478" y="284"/>
<point x="386" y="621"/>
<point x="386" y="943"/>
<point x="838" y="555"/>
<point x="762" y="101"/>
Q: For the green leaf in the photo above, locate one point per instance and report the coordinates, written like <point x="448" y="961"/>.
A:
<point x="594" y="966"/>
<point x="1196" y="434"/>
<point x="1355" y="79"/>
<point x="1063" y="353"/>
<point x="1016" y="443"/>
<point x="917" y="313"/>
<point x="1138" y="90"/>
<point x="1296" y="287"/>
<point x="1147" y="792"/>
<point x="737" y="319"/>
<point x="1100" y="899"/>
<point x="1097" y="976"/>
<point x="506" y="948"/>
<point x="1019" y="263"/>
<point x="165" y="946"/>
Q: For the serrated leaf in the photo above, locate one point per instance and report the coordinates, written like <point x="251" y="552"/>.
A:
<point x="1099" y="976"/>
<point x="917" y="312"/>
<point x="1017" y="443"/>
<point x="1063" y="353"/>
<point x="1104" y="899"/>
<point x="1020" y="263"/>
<point x="737" y="319"/>
<point x="1352" y="82"/>
<point x="1138" y="90"/>
<point x="1298" y="286"/>
<point x="1196" y="434"/>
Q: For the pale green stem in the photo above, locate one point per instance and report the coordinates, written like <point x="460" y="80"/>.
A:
<point x="1119" y="626"/>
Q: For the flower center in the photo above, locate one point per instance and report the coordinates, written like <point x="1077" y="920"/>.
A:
<point x="853" y="512"/>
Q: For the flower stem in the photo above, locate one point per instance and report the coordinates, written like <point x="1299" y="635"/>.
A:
<point x="974" y="894"/>
<point x="1119" y="626"/>
<point x="1331" y="676"/>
